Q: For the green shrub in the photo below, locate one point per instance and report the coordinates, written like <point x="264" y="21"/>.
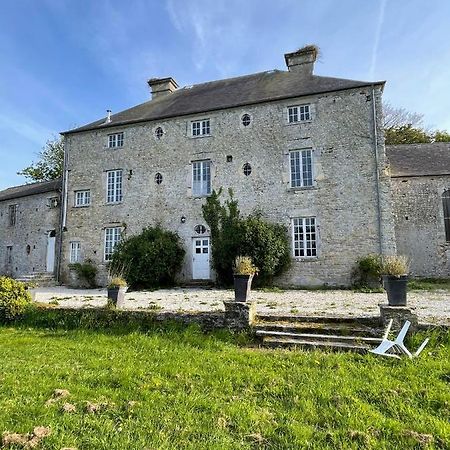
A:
<point x="86" y="271"/>
<point x="367" y="272"/>
<point x="150" y="259"/>
<point x="231" y="235"/>
<point x="14" y="298"/>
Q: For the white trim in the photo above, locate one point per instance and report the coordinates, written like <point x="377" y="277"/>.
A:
<point x="303" y="243"/>
<point x="82" y="198"/>
<point x="204" y="127"/>
<point x="115" y="140"/>
<point x="201" y="187"/>
<point x="300" y="151"/>
<point x="114" y="186"/>
<point x="115" y="235"/>
<point x="74" y="252"/>
<point x="298" y="113"/>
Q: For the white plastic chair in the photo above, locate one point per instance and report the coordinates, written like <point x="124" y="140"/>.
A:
<point x="398" y="344"/>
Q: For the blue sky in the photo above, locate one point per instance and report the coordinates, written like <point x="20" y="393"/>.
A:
<point x="64" y="62"/>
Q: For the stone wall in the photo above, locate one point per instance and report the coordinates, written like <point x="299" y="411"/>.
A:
<point x="343" y="198"/>
<point x="419" y="224"/>
<point x="36" y="217"/>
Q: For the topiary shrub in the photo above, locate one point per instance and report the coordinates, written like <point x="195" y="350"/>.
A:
<point x="14" y="298"/>
<point x="150" y="259"/>
<point x="231" y="235"/>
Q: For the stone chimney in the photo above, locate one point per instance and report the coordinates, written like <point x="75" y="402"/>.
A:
<point x="302" y="60"/>
<point x="162" y="86"/>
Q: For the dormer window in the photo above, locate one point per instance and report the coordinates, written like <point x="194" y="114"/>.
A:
<point x="201" y="128"/>
<point x="115" y="140"/>
<point x="300" y="113"/>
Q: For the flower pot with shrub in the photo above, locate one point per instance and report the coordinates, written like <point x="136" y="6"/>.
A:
<point x="117" y="288"/>
<point x="244" y="271"/>
<point x="395" y="278"/>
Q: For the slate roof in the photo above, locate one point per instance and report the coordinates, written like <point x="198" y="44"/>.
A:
<point x="228" y="93"/>
<point x="30" y="189"/>
<point x="415" y="160"/>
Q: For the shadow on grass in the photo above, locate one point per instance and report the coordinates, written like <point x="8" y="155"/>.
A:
<point x="189" y="327"/>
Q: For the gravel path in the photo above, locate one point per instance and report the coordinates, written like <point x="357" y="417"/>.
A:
<point x="431" y="306"/>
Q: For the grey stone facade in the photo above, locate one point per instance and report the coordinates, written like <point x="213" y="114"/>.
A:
<point x="420" y="175"/>
<point x="28" y="242"/>
<point x="350" y="195"/>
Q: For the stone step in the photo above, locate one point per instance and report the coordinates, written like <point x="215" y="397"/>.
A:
<point x="311" y="344"/>
<point x="320" y="337"/>
<point x="342" y="329"/>
<point x="272" y="318"/>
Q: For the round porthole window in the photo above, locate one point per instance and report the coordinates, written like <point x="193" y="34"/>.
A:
<point x="246" y="120"/>
<point x="247" y="168"/>
<point x="158" y="178"/>
<point x="159" y="132"/>
<point x="200" y="229"/>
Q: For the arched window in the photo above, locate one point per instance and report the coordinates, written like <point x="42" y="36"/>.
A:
<point x="200" y="229"/>
<point x="446" y="205"/>
<point x="158" y="178"/>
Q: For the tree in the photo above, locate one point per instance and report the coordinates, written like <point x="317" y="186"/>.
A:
<point x="406" y="134"/>
<point x="50" y="163"/>
<point x="232" y="235"/>
<point x="405" y="127"/>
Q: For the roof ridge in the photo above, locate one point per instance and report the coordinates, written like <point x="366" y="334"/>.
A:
<point x="31" y="184"/>
<point x="229" y="79"/>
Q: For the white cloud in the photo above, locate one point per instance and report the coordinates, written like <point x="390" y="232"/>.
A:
<point x="376" y="42"/>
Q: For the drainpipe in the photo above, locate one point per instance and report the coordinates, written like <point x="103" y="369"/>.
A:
<point x="63" y="215"/>
<point x="377" y="172"/>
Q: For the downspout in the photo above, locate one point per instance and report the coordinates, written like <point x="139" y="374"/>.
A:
<point x="63" y="215"/>
<point x="377" y="172"/>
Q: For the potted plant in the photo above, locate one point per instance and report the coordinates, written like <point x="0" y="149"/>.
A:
<point x="116" y="292"/>
<point x="244" y="271"/>
<point x="395" y="277"/>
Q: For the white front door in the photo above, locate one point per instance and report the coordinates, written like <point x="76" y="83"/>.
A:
<point x="51" y="240"/>
<point x="200" y="258"/>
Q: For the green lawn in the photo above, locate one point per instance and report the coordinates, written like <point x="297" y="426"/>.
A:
<point x="215" y="391"/>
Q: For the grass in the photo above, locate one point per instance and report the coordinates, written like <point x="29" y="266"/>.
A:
<point x="429" y="284"/>
<point x="215" y="391"/>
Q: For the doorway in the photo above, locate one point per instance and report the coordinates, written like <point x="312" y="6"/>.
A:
<point x="201" y="259"/>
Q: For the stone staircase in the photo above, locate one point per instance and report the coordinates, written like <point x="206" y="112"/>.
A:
<point x="333" y="333"/>
<point x="40" y="279"/>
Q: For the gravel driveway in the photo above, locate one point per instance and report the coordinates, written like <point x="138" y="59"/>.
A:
<point x="431" y="306"/>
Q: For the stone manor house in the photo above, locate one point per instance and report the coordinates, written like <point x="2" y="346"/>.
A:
<point x="305" y="150"/>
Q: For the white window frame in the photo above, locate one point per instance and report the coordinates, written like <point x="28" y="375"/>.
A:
<point x="75" y="252"/>
<point x="304" y="241"/>
<point x="201" y="128"/>
<point x="299" y="113"/>
<point x="201" y="178"/>
<point x="82" y="198"/>
<point x="114" y="186"/>
<point x="116" y="140"/>
<point x="301" y="163"/>
<point x="111" y="239"/>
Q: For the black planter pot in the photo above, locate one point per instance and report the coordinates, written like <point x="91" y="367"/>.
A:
<point x="116" y="295"/>
<point x="242" y="287"/>
<point x="395" y="288"/>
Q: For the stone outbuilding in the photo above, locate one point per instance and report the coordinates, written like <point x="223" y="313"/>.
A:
<point x="29" y="229"/>
<point x="305" y="150"/>
<point x="421" y="195"/>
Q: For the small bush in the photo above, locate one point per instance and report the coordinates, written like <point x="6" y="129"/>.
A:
<point x="149" y="260"/>
<point x="367" y="272"/>
<point x="14" y="298"/>
<point x="86" y="271"/>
